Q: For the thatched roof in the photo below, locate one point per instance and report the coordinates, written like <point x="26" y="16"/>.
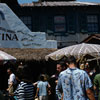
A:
<point x="28" y="54"/>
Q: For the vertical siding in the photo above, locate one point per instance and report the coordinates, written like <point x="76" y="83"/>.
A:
<point x="76" y="22"/>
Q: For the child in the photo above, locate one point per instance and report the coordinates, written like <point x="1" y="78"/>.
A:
<point x="42" y="89"/>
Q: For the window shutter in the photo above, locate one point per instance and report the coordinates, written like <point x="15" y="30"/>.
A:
<point x="71" y="24"/>
<point x="83" y="23"/>
<point x="50" y="25"/>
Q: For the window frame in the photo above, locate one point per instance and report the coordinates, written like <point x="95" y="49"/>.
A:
<point x="63" y="23"/>
<point x="93" y="23"/>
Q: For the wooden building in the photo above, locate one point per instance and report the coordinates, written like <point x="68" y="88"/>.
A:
<point x="68" y="22"/>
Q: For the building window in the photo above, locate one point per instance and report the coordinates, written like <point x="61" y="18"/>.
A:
<point x="59" y="24"/>
<point x="27" y="20"/>
<point x="92" y="23"/>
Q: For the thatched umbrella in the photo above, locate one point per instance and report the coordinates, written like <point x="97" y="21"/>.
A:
<point x="79" y="51"/>
<point x="5" y="56"/>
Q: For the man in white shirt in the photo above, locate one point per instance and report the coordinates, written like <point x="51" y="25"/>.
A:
<point x="11" y="80"/>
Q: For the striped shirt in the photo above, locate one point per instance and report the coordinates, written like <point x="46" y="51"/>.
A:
<point x="24" y="91"/>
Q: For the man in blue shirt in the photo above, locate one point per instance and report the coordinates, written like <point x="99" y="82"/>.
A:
<point x="73" y="83"/>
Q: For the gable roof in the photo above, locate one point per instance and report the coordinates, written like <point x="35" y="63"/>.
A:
<point x="59" y="3"/>
<point x="94" y="38"/>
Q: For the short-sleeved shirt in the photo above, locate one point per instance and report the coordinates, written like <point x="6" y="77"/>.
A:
<point x="73" y="83"/>
<point x="42" y="88"/>
<point x="12" y="78"/>
<point x="97" y="81"/>
<point x="25" y="91"/>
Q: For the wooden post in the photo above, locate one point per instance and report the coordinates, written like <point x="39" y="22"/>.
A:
<point x="98" y="63"/>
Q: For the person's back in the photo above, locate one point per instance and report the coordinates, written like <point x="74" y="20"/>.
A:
<point x="73" y="83"/>
<point x="42" y="88"/>
<point x="25" y="91"/>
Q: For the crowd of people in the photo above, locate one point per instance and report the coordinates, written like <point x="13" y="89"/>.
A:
<point x="68" y="83"/>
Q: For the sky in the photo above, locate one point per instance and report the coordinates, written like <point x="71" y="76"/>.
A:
<point x="30" y="1"/>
